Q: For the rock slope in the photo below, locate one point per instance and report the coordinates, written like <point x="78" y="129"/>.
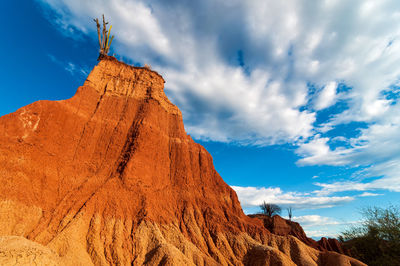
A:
<point x="282" y="227"/>
<point x="110" y="177"/>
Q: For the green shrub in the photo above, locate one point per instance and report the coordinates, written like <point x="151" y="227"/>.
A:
<point x="376" y="241"/>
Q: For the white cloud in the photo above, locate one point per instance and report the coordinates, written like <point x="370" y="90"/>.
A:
<point x="368" y="194"/>
<point x="315" y="150"/>
<point x="376" y="148"/>
<point x="314" y="220"/>
<point x="253" y="197"/>
<point x="327" y="96"/>
<point x="316" y="234"/>
<point x="328" y="189"/>
<point x="226" y="105"/>
<point x="317" y="226"/>
<point x="390" y="181"/>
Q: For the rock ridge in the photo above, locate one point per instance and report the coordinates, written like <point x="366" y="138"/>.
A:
<point x="282" y="227"/>
<point x="113" y="78"/>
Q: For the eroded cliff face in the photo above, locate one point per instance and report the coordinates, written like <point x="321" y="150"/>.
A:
<point x="111" y="177"/>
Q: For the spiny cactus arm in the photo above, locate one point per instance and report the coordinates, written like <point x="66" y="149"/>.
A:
<point x="108" y="39"/>
<point x="104" y="37"/>
<point x="108" y="47"/>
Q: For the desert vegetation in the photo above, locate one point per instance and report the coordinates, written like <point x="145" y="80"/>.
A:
<point x="104" y="37"/>
<point x="290" y="213"/>
<point x="376" y="241"/>
<point x="270" y="209"/>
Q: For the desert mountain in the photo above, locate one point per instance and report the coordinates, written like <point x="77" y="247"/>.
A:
<point x="110" y="177"/>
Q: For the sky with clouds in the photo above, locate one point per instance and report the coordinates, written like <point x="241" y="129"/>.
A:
<point x="297" y="101"/>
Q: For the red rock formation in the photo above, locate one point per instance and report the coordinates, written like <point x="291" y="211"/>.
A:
<point x="333" y="245"/>
<point x="282" y="227"/>
<point x="110" y="177"/>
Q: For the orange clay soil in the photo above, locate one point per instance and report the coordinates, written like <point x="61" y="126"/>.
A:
<point x="111" y="177"/>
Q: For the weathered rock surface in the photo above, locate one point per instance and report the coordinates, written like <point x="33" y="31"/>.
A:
<point x="333" y="245"/>
<point x="282" y="227"/>
<point x="109" y="177"/>
<point x="16" y="250"/>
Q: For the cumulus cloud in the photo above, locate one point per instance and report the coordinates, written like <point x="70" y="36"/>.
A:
<point x="242" y="71"/>
<point x="314" y="220"/>
<point x="316" y="151"/>
<point x="253" y="197"/>
<point x="317" y="226"/>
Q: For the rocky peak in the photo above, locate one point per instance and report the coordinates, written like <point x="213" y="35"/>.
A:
<point x="114" y="78"/>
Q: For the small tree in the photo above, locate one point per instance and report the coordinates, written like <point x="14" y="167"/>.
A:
<point x="289" y="212"/>
<point x="104" y="37"/>
<point x="270" y="209"/>
<point x="376" y="241"/>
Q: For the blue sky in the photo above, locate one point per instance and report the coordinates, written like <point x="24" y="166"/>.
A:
<point x="297" y="101"/>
